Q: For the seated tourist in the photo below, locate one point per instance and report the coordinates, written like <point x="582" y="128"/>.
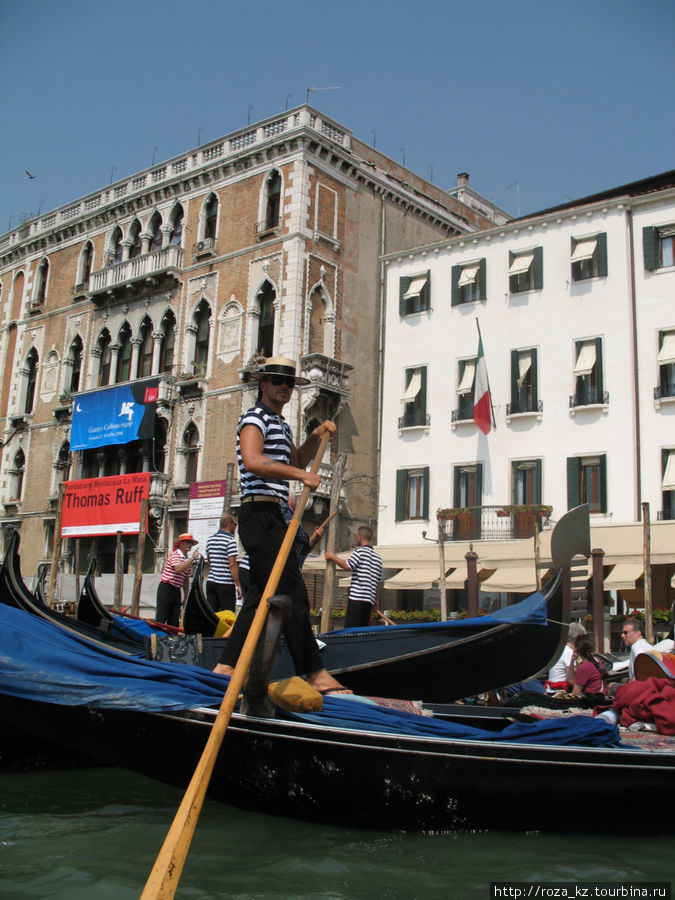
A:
<point x="557" y="676"/>
<point x="586" y="673"/>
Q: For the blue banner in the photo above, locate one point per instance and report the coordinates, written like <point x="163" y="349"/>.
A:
<point x="114" y="415"/>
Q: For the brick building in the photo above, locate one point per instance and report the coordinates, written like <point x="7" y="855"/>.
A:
<point x="266" y="241"/>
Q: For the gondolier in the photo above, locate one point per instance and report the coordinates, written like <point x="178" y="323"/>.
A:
<point x="268" y="459"/>
<point x="222" y="584"/>
<point x="366" y="568"/>
<point x="176" y="570"/>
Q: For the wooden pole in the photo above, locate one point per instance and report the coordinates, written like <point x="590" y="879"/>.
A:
<point x="441" y="579"/>
<point x="56" y="549"/>
<point x="537" y="574"/>
<point x="117" y="583"/>
<point x="329" y="578"/>
<point x="647" y="564"/>
<point x="472" y="580"/>
<point x="597" y="557"/>
<point x="165" y="875"/>
<point x="140" y="549"/>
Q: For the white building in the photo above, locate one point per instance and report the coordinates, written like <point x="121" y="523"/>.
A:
<point x="576" y="306"/>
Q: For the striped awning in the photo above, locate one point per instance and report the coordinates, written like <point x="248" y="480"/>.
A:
<point x="623" y="577"/>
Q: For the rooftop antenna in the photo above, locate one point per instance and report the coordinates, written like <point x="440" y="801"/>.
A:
<point x="288" y="97"/>
<point x="431" y="174"/>
<point x="154" y="150"/>
<point x="112" y="172"/>
<point x="374" y="138"/>
<point x="403" y="152"/>
<point x="515" y="184"/>
<point x="199" y="135"/>
<point x="310" y="90"/>
<point x="250" y="107"/>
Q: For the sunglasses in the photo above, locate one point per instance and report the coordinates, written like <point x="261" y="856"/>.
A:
<point x="276" y="380"/>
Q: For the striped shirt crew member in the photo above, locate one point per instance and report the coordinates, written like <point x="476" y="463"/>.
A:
<point x="219" y="548"/>
<point x="366" y="567"/>
<point x="277" y="442"/>
<point x="169" y="574"/>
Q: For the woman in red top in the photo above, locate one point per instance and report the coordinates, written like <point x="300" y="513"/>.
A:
<point x="586" y="672"/>
<point x="176" y="569"/>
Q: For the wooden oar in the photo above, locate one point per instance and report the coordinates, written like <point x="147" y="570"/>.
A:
<point x="386" y="618"/>
<point x="327" y="519"/>
<point x="168" y="867"/>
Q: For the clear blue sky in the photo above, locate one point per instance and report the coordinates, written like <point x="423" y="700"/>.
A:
<point x="566" y="98"/>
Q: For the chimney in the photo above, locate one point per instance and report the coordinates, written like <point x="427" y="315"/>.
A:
<point x="462" y="179"/>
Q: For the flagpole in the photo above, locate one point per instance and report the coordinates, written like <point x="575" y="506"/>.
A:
<point x="492" y="409"/>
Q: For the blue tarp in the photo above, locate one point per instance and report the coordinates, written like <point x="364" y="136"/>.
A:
<point x="530" y="611"/>
<point x="42" y="662"/>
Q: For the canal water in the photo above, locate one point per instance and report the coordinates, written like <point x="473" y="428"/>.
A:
<point x="93" y="834"/>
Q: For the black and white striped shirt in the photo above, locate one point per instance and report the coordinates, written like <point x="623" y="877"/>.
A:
<point x="366" y="568"/>
<point x="219" y="548"/>
<point x="277" y="441"/>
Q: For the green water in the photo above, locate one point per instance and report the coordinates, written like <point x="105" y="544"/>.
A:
<point x="94" y="834"/>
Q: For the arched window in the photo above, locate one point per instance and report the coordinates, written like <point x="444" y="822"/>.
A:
<point x="31" y="379"/>
<point x="266" y="296"/>
<point x="210" y="216"/>
<point x="145" y="356"/>
<point x="75" y="360"/>
<point x="116" y="246"/>
<point x="103" y="345"/>
<point x="317" y="320"/>
<point x="168" y="329"/>
<point x="41" y="287"/>
<point x="86" y="262"/>
<point x="156" y="232"/>
<point x="123" y="372"/>
<point x="135" y="238"/>
<point x="202" y="318"/>
<point x="176" y="236"/>
<point x="16" y="475"/>
<point x="191" y="448"/>
<point x="273" y="199"/>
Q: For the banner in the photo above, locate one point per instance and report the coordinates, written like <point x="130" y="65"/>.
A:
<point x="99" y="506"/>
<point x="114" y="415"/>
<point x="207" y="499"/>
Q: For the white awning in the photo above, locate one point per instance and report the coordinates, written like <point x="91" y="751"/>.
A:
<point x="466" y="384"/>
<point x="623" y="577"/>
<point x="668" y="483"/>
<point x="517" y="579"/>
<point x="521" y="264"/>
<point x="468" y="275"/>
<point x="415" y="287"/>
<point x="456" y="579"/>
<point x="419" y="578"/>
<point x="413" y="388"/>
<point x="586" y="359"/>
<point x="524" y="366"/>
<point x="584" y="250"/>
<point x="667" y="351"/>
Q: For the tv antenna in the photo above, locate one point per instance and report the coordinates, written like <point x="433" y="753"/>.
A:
<point x="515" y="184"/>
<point x="310" y="90"/>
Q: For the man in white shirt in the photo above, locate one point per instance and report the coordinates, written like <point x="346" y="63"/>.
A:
<point x="633" y="637"/>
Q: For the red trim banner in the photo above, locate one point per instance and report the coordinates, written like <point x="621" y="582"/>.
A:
<point x="99" y="506"/>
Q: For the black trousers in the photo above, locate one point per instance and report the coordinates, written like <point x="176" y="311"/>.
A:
<point x="358" y="614"/>
<point x="262" y="530"/>
<point x="168" y="604"/>
<point x="221" y="596"/>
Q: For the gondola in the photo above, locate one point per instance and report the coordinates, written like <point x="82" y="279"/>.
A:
<point x="353" y="761"/>
<point x="439" y="662"/>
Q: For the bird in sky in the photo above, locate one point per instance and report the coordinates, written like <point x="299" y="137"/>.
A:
<point x="29" y="175"/>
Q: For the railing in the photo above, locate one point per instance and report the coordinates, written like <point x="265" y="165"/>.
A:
<point x="416" y="419"/>
<point x="462" y="414"/>
<point x="155" y="263"/>
<point x="492" y="523"/>
<point x="512" y="409"/>
<point x="592" y="397"/>
<point x="329" y="373"/>
<point x="266" y="227"/>
<point x="664" y="390"/>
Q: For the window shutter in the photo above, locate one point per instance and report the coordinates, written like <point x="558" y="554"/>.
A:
<point x="537" y="483"/>
<point x="538" y="268"/>
<point x="423" y="391"/>
<point x="534" y="378"/>
<point x="401" y="483"/>
<point x="425" y="299"/>
<point x="482" y="279"/>
<point x="650" y="247"/>
<point x="403" y="285"/>
<point x="598" y="368"/>
<point x="456" y="296"/>
<point x="514" y="482"/>
<point x="514" y="381"/>
<point x="512" y="278"/>
<point x="425" y="482"/>
<point x="573" y="482"/>
<point x="602" y="253"/>
<point x="603" y="484"/>
<point x="479" y="484"/>
<point x="455" y="487"/>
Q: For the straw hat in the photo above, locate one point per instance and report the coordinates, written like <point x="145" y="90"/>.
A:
<point x="279" y="365"/>
<point x="186" y="537"/>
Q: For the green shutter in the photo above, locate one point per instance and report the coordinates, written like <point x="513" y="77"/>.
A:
<point x="664" y="462"/>
<point x="534" y="378"/>
<point x="455" y="486"/>
<point x="425" y="299"/>
<point x="401" y="483"/>
<point x="512" y="256"/>
<point x="425" y="482"/>
<point x="456" y="294"/>
<point x="479" y="484"/>
<point x="573" y="482"/>
<point x="482" y="279"/>
<point x="650" y="247"/>
<point x="598" y="368"/>
<point x="602" y="253"/>
<point x="514" y="381"/>
<point x="423" y="391"/>
<point x="514" y="482"/>
<point x="403" y="285"/>
<point x="537" y="483"/>
<point x="538" y="264"/>
<point x="603" y="484"/>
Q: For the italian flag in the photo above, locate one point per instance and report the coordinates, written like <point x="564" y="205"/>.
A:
<point x="482" y="407"/>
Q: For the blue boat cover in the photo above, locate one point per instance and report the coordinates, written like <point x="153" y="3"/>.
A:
<point x="40" y="661"/>
<point x="530" y="611"/>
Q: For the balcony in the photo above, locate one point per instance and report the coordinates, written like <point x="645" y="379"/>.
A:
<point x="492" y="523"/>
<point x="329" y="380"/>
<point x="149" y="268"/>
<point x="415" y="419"/>
<point x="664" y="393"/>
<point x="266" y="229"/>
<point x="590" y="397"/>
<point x="205" y="247"/>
